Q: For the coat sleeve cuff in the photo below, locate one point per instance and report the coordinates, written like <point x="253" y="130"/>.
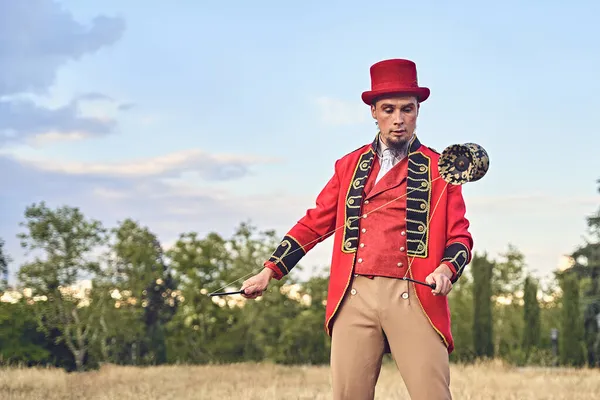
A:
<point x="452" y="269"/>
<point x="286" y="256"/>
<point x="456" y="257"/>
<point x="277" y="272"/>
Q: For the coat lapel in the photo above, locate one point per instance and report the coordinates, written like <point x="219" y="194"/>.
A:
<point x="418" y="201"/>
<point x="354" y="197"/>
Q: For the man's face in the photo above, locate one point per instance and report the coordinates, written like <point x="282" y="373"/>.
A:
<point x="397" y="119"/>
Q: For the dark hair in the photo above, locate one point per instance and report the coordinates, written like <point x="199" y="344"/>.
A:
<point x="376" y="99"/>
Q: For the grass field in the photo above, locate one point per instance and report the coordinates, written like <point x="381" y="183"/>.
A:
<point x="264" y="381"/>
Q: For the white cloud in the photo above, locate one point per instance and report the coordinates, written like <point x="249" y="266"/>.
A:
<point x="340" y="112"/>
<point x="42" y="37"/>
<point x="211" y="166"/>
<point x="50" y="137"/>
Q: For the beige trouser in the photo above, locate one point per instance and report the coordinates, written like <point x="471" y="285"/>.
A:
<point x="373" y="310"/>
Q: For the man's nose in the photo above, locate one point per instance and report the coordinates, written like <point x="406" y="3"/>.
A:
<point x="398" y="118"/>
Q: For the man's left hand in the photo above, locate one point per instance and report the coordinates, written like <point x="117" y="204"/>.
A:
<point x="441" y="277"/>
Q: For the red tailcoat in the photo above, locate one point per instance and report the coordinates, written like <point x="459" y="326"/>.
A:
<point x="429" y="238"/>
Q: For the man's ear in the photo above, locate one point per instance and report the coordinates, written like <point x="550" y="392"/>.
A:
<point x="373" y="111"/>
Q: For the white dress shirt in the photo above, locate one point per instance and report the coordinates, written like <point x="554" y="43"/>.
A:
<point x="389" y="157"/>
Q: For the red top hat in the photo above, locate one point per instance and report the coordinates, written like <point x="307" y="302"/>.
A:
<point x="395" y="76"/>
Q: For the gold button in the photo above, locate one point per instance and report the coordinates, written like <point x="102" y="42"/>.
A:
<point x="402" y="248"/>
<point x="424" y="184"/>
<point x="421" y="228"/>
<point x="400" y="264"/>
<point x="363" y="230"/>
<point x="403" y="233"/>
<point x="366" y="201"/>
<point x="353" y="291"/>
<point x="360" y="260"/>
<point x="422" y="206"/>
<point x="362" y="245"/>
<point x="405" y="295"/>
<point x="364" y="215"/>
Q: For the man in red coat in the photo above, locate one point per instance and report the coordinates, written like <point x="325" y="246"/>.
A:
<point x="392" y="217"/>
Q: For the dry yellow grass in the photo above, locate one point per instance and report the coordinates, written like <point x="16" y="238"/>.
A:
<point x="264" y="381"/>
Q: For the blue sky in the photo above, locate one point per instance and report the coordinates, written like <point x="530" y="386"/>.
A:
<point x="198" y="116"/>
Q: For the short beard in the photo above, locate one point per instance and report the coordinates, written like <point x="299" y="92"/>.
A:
<point x="401" y="143"/>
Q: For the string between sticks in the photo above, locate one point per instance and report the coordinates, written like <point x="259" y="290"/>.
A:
<point x="339" y="227"/>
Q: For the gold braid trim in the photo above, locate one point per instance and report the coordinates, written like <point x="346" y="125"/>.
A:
<point x="418" y="205"/>
<point x="354" y="200"/>
<point x="287" y="254"/>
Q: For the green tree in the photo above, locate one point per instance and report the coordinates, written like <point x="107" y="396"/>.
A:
<point x="508" y="274"/>
<point x="587" y="268"/>
<point x="462" y="306"/>
<point x="203" y="330"/>
<point x="66" y="241"/>
<point x="531" y="316"/>
<point x="20" y="340"/>
<point x="571" y="343"/>
<point x="146" y="295"/>
<point x="507" y="286"/>
<point x="4" y="261"/>
<point x="229" y="328"/>
<point x="264" y="320"/>
<point x="220" y="329"/>
<point x="483" y="330"/>
<point x="550" y="318"/>
<point x="303" y="339"/>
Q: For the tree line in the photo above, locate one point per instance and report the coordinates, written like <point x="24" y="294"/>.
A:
<point x="146" y="306"/>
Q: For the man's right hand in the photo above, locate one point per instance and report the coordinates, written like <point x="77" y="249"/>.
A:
<point x="255" y="286"/>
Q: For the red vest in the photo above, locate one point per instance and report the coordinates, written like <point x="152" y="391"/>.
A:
<point x="384" y="212"/>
